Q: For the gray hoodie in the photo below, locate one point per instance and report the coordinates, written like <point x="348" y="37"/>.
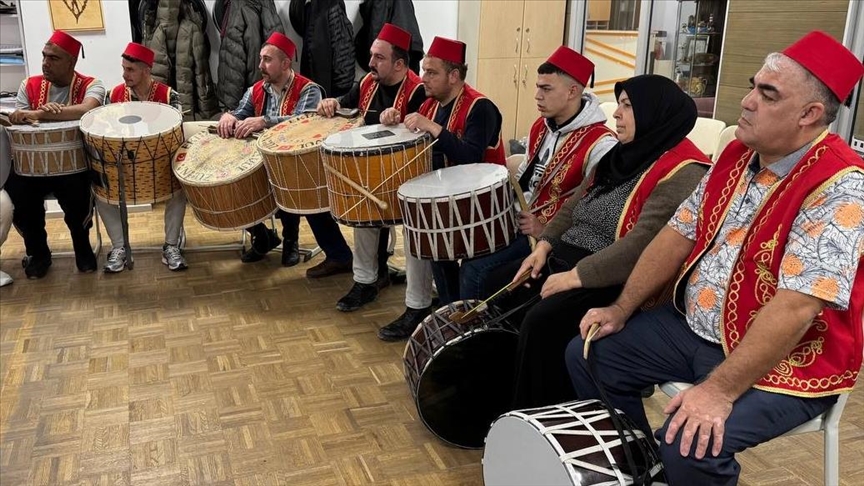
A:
<point x="591" y="113"/>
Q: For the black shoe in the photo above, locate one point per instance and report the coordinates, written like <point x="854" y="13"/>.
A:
<point x="357" y="297"/>
<point x="647" y="392"/>
<point x="402" y="327"/>
<point x="260" y="246"/>
<point x="290" y="253"/>
<point x="36" y="267"/>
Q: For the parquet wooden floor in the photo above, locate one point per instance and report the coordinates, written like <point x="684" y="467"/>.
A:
<point x="240" y="374"/>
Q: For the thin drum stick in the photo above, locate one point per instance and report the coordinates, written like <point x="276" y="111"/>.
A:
<point x="357" y="187"/>
<point x="588" y="337"/>
<point x="522" y="202"/>
<point x="460" y="318"/>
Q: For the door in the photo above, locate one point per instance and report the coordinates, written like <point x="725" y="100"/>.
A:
<point x="499" y="80"/>
<point x="527" y="109"/>
<point x="501" y="28"/>
<point x="542" y="27"/>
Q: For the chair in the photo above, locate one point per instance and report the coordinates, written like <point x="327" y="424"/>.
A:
<point x="513" y="163"/>
<point x="609" y="108"/>
<point x="827" y="422"/>
<point x="726" y="136"/>
<point x="706" y="133"/>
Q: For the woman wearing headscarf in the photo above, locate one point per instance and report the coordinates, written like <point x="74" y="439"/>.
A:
<point x="588" y="250"/>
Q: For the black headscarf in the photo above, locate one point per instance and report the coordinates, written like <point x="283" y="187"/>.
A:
<point x="664" y="115"/>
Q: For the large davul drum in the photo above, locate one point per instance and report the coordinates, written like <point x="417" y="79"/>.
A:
<point x="293" y="160"/>
<point x="141" y="135"/>
<point x="47" y="149"/>
<point x="225" y="181"/>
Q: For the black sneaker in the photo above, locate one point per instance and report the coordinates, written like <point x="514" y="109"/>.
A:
<point x="404" y="325"/>
<point x="260" y="246"/>
<point x="290" y="253"/>
<point x="359" y="295"/>
<point x="36" y="267"/>
<point x="86" y="261"/>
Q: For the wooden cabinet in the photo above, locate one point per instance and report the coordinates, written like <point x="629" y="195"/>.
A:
<point x="512" y="37"/>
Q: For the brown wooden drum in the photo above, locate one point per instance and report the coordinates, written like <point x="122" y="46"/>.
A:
<point x="141" y="135"/>
<point x="463" y="211"/>
<point x="225" y="181"/>
<point x="48" y="149"/>
<point x="366" y="167"/>
<point x="293" y="161"/>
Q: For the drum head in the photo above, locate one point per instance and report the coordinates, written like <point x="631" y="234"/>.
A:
<point x="208" y="160"/>
<point x="380" y="138"/>
<point x="303" y="134"/>
<point x="131" y="120"/>
<point x="467" y="385"/>
<point x="516" y="453"/>
<point x="459" y="179"/>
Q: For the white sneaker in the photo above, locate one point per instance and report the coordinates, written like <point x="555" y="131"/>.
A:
<point x="116" y="261"/>
<point x="171" y="256"/>
<point x="5" y="279"/>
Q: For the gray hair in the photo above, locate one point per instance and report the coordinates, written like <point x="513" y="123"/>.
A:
<point x="818" y="91"/>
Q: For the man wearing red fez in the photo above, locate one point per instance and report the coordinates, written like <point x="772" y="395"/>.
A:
<point x="58" y="94"/>
<point x="767" y="255"/>
<point x="565" y="144"/>
<point x="139" y="85"/>
<point x="467" y="127"/>
<point x="281" y="94"/>
<point x="386" y="95"/>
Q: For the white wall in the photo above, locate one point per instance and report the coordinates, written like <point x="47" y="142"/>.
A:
<point x="102" y="49"/>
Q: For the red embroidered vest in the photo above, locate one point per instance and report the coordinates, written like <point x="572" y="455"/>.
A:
<point x="160" y="93"/>
<point x="37" y="90"/>
<point x="456" y="124"/>
<point x="827" y="359"/>
<point x="409" y="86"/>
<point x="289" y="101"/>
<point x="566" y="169"/>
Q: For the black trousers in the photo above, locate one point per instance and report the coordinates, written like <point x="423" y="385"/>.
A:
<point x="324" y="227"/>
<point x="28" y="196"/>
<point x="546" y="328"/>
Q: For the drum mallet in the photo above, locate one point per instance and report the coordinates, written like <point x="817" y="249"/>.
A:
<point x="463" y="317"/>
<point x="522" y="203"/>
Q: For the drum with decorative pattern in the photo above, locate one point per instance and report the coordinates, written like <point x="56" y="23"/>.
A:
<point x="293" y="160"/>
<point x="225" y="181"/>
<point x="47" y="149"/>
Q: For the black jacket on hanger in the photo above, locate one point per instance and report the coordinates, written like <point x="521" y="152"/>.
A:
<point x="375" y="13"/>
<point x="327" y="57"/>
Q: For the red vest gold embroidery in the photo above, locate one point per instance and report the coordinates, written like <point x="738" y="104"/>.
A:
<point x="459" y="115"/>
<point x="409" y="86"/>
<point x="37" y="89"/>
<point x="289" y="101"/>
<point x="827" y="359"/>
<point x="566" y="169"/>
<point x="159" y="93"/>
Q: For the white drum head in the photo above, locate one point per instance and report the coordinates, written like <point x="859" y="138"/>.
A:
<point x="371" y="136"/>
<point x="459" y="179"/>
<point x="131" y="120"/>
<point x="516" y="453"/>
<point x="44" y="127"/>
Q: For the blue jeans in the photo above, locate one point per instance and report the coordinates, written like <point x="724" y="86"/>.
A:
<point x="466" y="282"/>
<point x="658" y="346"/>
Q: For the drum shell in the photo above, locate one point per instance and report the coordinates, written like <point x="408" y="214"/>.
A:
<point x="461" y="375"/>
<point x="146" y="158"/>
<point x="370" y="167"/>
<point x="229" y="204"/>
<point x="441" y="229"/>
<point x="293" y="161"/>
<point x="51" y="149"/>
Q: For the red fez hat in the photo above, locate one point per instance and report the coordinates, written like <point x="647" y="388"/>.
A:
<point x="829" y="61"/>
<point x="282" y="43"/>
<point x="66" y="42"/>
<point x="139" y="53"/>
<point x="447" y="50"/>
<point x="396" y="36"/>
<point x="572" y="63"/>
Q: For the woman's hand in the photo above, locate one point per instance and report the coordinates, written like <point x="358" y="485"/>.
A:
<point x="559" y="282"/>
